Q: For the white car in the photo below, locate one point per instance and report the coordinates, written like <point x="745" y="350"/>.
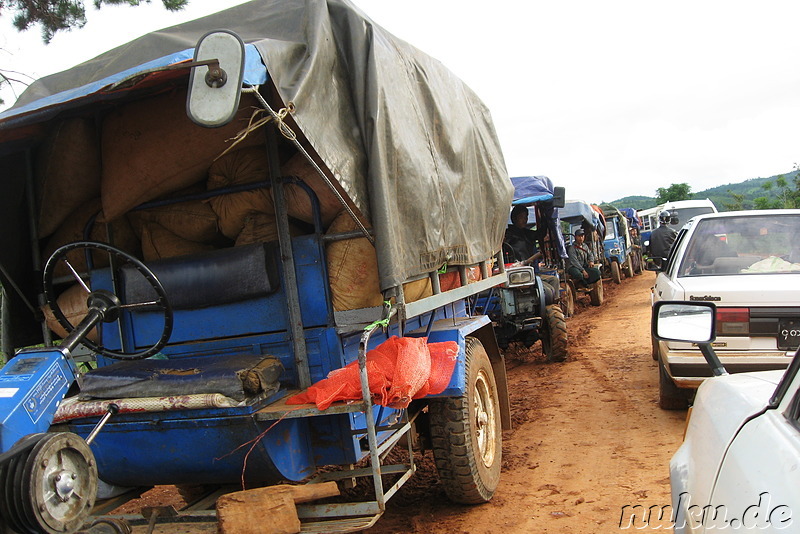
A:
<point x="748" y="264"/>
<point x="738" y="468"/>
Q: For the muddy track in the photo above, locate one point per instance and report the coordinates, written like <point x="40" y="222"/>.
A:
<point x="589" y="437"/>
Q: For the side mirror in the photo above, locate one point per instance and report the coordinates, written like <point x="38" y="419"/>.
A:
<point x="690" y="322"/>
<point x="693" y="322"/>
<point x="559" y="197"/>
<point x="652" y="265"/>
<point x="214" y="93"/>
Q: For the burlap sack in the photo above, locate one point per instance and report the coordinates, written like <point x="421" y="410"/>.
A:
<point x="72" y="303"/>
<point x="258" y="228"/>
<point x="67" y="171"/>
<point x="297" y="200"/>
<point x="159" y="243"/>
<point x="352" y="269"/>
<point x="251" y="165"/>
<point x="235" y="168"/>
<point x="150" y="148"/>
<point x="72" y="229"/>
<point x="193" y="220"/>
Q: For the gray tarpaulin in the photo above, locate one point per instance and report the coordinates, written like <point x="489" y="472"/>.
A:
<point x="413" y="147"/>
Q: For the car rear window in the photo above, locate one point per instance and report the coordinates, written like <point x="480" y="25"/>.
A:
<point x="743" y="245"/>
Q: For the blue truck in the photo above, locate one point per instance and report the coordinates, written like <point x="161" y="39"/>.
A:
<point x="177" y="310"/>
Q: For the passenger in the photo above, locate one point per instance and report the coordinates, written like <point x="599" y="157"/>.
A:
<point x="523" y="242"/>
<point x="521" y="239"/>
<point x="581" y="260"/>
<point x="662" y="238"/>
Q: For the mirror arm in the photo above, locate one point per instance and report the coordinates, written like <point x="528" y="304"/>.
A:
<point x="717" y="369"/>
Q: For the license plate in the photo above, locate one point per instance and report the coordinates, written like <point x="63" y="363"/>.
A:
<point x="788" y="333"/>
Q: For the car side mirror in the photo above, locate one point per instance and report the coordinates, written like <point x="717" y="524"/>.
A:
<point x="214" y="93"/>
<point x="693" y="322"/>
<point x="690" y="322"/>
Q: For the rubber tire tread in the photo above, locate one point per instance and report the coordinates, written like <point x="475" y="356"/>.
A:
<point x="453" y="441"/>
<point x="629" y="267"/>
<point x="568" y="302"/>
<point x="557" y="331"/>
<point x="616" y="274"/>
<point x="596" y="294"/>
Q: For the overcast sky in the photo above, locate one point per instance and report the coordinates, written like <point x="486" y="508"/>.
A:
<point x="608" y="99"/>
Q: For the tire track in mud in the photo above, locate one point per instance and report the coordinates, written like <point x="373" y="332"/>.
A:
<point x="588" y="435"/>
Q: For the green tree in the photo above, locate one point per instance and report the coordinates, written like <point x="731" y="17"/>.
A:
<point x="674" y="192"/>
<point x="59" y="15"/>
<point x="736" y="203"/>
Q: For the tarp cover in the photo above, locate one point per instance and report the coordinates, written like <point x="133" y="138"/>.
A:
<point x="530" y="189"/>
<point x="413" y="147"/>
<point x="632" y="216"/>
<point x="577" y="211"/>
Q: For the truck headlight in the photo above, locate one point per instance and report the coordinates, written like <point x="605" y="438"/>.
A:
<point x="520" y="276"/>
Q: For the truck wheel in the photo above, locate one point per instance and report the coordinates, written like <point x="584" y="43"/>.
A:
<point x="670" y="396"/>
<point x="568" y="302"/>
<point x="596" y="294"/>
<point x="554" y="337"/>
<point x="616" y="275"/>
<point x="466" y="433"/>
<point x="629" y="267"/>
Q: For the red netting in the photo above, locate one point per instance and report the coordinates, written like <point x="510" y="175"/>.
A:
<point x="399" y="369"/>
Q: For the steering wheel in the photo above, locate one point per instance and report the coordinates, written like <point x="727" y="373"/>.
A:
<point x="110" y="301"/>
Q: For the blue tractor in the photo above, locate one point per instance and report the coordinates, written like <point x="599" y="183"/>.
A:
<point x="617" y="246"/>
<point x="207" y="244"/>
<point x="527" y="308"/>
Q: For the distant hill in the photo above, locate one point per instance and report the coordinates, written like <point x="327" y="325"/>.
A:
<point x="721" y="195"/>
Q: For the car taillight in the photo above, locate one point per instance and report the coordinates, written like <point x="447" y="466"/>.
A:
<point x="733" y="321"/>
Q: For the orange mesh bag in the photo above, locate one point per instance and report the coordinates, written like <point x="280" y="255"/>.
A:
<point x="443" y="360"/>
<point x="398" y="370"/>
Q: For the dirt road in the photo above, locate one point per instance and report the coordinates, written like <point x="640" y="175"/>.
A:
<point x="589" y="437"/>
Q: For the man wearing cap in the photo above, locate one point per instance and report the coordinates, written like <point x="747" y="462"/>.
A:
<point x="581" y="259"/>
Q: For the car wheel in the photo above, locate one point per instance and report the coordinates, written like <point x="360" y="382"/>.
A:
<point x="670" y="396"/>
<point x="466" y="433"/>
<point x="554" y="337"/>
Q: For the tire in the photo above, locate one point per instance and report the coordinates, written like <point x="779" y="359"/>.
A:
<point x="654" y="348"/>
<point x="554" y="336"/>
<point x="596" y="294"/>
<point x="629" y="267"/>
<point x="616" y="275"/>
<point x="670" y="396"/>
<point x="568" y="302"/>
<point x="466" y="433"/>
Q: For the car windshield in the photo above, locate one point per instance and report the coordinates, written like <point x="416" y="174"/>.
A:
<point x="743" y="245"/>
